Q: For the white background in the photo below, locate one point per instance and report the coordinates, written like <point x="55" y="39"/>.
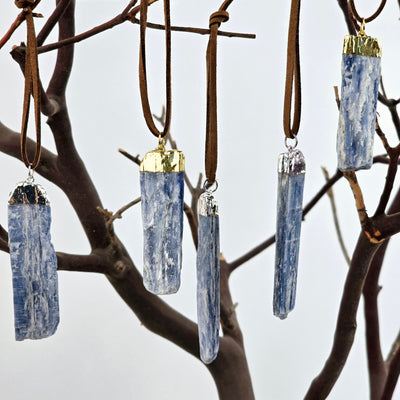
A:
<point x="100" y="350"/>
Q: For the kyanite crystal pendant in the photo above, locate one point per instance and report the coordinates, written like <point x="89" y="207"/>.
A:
<point x="291" y="171"/>
<point x="361" y="67"/>
<point x="208" y="312"/>
<point x="33" y="263"/>
<point x="161" y="183"/>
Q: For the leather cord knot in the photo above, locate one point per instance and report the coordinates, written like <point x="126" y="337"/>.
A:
<point x="24" y="3"/>
<point x="218" y="18"/>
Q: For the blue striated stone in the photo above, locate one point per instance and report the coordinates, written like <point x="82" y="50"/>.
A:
<point x="34" y="270"/>
<point x="289" y="214"/>
<point x="355" y="136"/>
<point x="162" y="214"/>
<point x="208" y="308"/>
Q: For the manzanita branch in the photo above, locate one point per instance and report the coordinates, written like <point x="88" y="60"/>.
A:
<point x="336" y="219"/>
<point x="271" y="240"/>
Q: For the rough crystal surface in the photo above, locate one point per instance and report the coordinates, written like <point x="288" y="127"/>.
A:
<point x="288" y="226"/>
<point x="34" y="270"/>
<point x="208" y="312"/>
<point x="355" y="136"/>
<point x="162" y="215"/>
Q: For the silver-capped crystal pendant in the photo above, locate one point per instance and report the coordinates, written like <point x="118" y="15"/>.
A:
<point x="291" y="171"/>
<point x="208" y="290"/>
<point x="361" y="69"/>
<point x="161" y="184"/>
<point x="33" y="262"/>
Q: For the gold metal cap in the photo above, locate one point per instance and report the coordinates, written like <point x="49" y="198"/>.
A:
<point x="161" y="160"/>
<point x="362" y="46"/>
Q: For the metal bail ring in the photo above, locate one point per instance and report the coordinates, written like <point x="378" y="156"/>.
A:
<point x="288" y="146"/>
<point x="362" y="33"/>
<point x="210" y="188"/>
<point x="30" y="178"/>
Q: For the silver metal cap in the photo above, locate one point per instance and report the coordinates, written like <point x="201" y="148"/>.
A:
<point x="207" y="205"/>
<point x="292" y="162"/>
<point x="28" y="193"/>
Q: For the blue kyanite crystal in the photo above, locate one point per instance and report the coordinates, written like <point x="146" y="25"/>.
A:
<point x="208" y="304"/>
<point x="162" y="214"/>
<point x="33" y="263"/>
<point x="355" y="136"/>
<point x="291" y="171"/>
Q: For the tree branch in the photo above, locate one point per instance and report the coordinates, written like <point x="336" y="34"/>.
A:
<point x="271" y="240"/>
<point x="51" y="21"/>
<point x="97" y="262"/>
<point x="10" y="144"/>
<point x="336" y="219"/>
<point x="346" y="322"/>
<point x="343" y="4"/>
<point x="394" y="154"/>
<point x="391" y="104"/>
<point x="131" y="16"/>
<point x="65" y="56"/>
<point x="14" y="26"/>
<point x="376" y="366"/>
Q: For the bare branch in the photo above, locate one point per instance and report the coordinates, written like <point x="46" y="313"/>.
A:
<point x="394" y="154"/>
<point x="65" y="56"/>
<point x="66" y="41"/>
<point x="271" y="240"/>
<point x="200" y="31"/>
<point x="3" y="234"/>
<point x="51" y="22"/>
<point x="192" y="223"/>
<point x="119" y="213"/>
<point x="14" y="26"/>
<point x="131" y="16"/>
<point x="358" y="197"/>
<point x="391" y="104"/>
<point x="393" y="373"/>
<point x="97" y="263"/>
<point x="346" y="322"/>
<point x="347" y="16"/>
<point x="136" y="159"/>
<point x="336" y="219"/>
<point x="48" y="106"/>
<point x="10" y="144"/>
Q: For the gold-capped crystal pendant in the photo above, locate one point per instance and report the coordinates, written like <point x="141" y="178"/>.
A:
<point x="361" y="69"/>
<point x="161" y="183"/>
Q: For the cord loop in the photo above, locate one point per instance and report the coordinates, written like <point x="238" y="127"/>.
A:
<point x="357" y="16"/>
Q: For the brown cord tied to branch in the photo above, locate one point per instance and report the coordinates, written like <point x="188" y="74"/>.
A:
<point x="211" y="154"/>
<point x="143" y="74"/>
<point x="218" y="18"/>
<point x="32" y="85"/>
<point x="24" y="3"/>
<point x="292" y="74"/>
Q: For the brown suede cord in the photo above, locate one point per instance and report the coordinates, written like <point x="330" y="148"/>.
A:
<point x="32" y="85"/>
<point x="353" y="10"/>
<point x="292" y="75"/>
<point x="143" y="74"/>
<point x="211" y="152"/>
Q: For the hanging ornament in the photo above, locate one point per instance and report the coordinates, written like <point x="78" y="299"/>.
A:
<point x="161" y="183"/>
<point x="208" y="298"/>
<point x="361" y="68"/>
<point x="291" y="171"/>
<point x="208" y="252"/>
<point x="33" y="262"/>
<point x="33" y="259"/>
